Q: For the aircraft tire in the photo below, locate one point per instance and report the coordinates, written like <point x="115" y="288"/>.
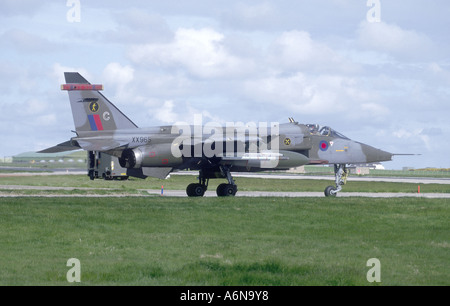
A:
<point x="328" y="191"/>
<point x="219" y="190"/>
<point x="226" y="190"/>
<point x="195" y="190"/>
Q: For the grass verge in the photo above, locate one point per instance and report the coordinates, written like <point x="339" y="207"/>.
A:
<point x="224" y="241"/>
<point x="179" y="182"/>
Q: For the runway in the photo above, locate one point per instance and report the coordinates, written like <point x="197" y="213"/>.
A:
<point x="182" y="193"/>
<point x="413" y="180"/>
<point x="10" y="191"/>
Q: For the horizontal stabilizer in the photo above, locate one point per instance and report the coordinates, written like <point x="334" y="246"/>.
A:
<point x="62" y="147"/>
<point x="101" y="144"/>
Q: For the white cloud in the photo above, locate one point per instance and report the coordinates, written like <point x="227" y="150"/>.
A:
<point x="24" y="41"/>
<point x="296" y="50"/>
<point x="392" y="39"/>
<point x="305" y="94"/>
<point x="118" y="75"/>
<point x="165" y="113"/>
<point x="117" y="78"/>
<point x="251" y="16"/>
<point x="415" y="136"/>
<point x="375" y="110"/>
<point x="35" y="107"/>
<point x="22" y="7"/>
<point x="58" y="72"/>
<point x="136" y="26"/>
<point x="118" y="83"/>
<point x="200" y="52"/>
<point x="170" y="112"/>
<point x="46" y="120"/>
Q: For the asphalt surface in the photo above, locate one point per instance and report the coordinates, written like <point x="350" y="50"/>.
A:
<point x="182" y="193"/>
<point x="14" y="191"/>
<point x="414" y="180"/>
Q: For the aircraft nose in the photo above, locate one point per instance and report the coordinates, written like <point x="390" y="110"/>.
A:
<point x="376" y="155"/>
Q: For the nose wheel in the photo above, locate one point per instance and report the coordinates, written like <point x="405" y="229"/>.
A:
<point x="330" y="191"/>
<point x="341" y="174"/>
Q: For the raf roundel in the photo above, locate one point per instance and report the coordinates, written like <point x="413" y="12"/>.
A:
<point x="323" y="145"/>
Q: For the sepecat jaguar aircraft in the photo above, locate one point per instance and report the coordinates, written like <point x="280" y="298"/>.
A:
<point x="214" y="150"/>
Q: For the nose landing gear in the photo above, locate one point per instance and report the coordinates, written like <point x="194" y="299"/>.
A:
<point x="341" y="174"/>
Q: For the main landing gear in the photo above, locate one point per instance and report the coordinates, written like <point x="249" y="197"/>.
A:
<point x="223" y="190"/>
<point x="341" y="174"/>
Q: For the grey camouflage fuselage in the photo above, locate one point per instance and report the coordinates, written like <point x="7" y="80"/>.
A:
<point x="212" y="149"/>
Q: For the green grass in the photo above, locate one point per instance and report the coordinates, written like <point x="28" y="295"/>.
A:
<point x="224" y="241"/>
<point x="179" y="182"/>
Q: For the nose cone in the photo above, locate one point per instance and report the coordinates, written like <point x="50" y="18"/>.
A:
<point x="374" y="155"/>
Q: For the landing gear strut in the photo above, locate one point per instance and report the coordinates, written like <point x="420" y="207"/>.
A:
<point x="223" y="190"/>
<point x="226" y="190"/>
<point x="341" y="174"/>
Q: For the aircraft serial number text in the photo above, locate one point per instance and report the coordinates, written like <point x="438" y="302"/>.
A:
<point x="141" y="139"/>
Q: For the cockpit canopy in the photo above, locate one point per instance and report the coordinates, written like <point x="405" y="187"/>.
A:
<point x="315" y="129"/>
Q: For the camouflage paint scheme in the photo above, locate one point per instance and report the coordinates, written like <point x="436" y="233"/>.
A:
<point x="102" y="127"/>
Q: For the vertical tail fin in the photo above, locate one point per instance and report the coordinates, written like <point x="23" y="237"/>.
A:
<point x="90" y="109"/>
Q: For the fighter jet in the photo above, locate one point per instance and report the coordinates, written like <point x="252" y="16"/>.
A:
<point x="213" y="150"/>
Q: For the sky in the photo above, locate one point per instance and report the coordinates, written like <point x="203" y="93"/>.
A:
<point x="377" y="71"/>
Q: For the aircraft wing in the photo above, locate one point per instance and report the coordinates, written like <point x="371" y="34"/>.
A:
<point x="88" y="144"/>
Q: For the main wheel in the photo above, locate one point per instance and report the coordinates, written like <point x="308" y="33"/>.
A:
<point x="226" y="190"/>
<point x="328" y="192"/>
<point x="195" y="190"/>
